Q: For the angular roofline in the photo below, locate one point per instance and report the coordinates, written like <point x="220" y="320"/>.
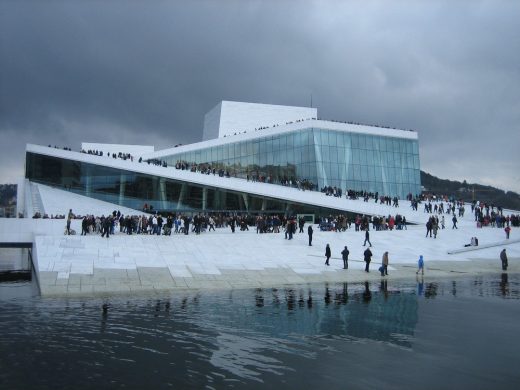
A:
<point x="301" y="125"/>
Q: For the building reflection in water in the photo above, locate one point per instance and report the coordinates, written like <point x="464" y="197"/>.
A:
<point x="355" y="311"/>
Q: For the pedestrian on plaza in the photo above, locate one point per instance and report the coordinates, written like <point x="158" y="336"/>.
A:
<point x="454" y="220"/>
<point x="367" y="238"/>
<point x="420" y="265"/>
<point x="70" y="215"/>
<point x="186" y="225"/>
<point x="503" y="258"/>
<point x="429" y="227"/>
<point x="211" y="224"/>
<point x="345" y="252"/>
<point x="507" y="230"/>
<point x="309" y="232"/>
<point x="327" y="254"/>
<point x="107" y="224"/>
<point x="384" y="264"/>
<point x="368" y="258"/>
<point x="84" y="226"/>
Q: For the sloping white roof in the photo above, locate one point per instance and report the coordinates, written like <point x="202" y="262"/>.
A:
<point x="286" y="128"/>
<point x="234" y="184"/>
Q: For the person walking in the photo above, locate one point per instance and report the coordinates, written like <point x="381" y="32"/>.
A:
<point x="309" y="232"/>
<point x="384" y="264"/>
<point x="429" y="227"/>
<point x="327" y="254"/>
<point x="454" y="220"/>
<point x="211" y="224"/>
<point x="367" y="238"/>
<point x="368" y="258"/>
<point x="503" y="258"/>
<point x="507" y="230"/>
<point x="345" y="252"/>
<point x="420" y="265"/>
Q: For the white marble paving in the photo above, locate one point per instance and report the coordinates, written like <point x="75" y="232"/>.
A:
<point x="214" y="253"/>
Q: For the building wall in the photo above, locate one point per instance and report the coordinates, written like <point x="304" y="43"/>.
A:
<point x="133" y="190"/>
<point x="212" y="123"/>
<point x="228" y="118"/>
<point x="325" y="157"/>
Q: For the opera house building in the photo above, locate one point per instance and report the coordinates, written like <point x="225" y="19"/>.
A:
<point x="254" y="158"/>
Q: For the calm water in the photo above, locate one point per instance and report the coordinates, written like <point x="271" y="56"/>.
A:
<point x="449" y="334"/>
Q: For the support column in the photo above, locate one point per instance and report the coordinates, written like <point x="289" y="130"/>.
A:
<point x="216" y="200"/>
<point x="162" y="193"/>
<point x="264" y="204"/>
<point x="122" y="186"/>
<point x="246" y="201"/>
<point x="182" y="195"/>
<point x="204" y="198"/>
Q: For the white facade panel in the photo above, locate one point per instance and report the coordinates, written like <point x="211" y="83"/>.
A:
<point x="212" y="123"/>
<point x="229" y="118"/>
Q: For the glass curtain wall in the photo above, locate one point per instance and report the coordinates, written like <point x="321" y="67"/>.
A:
<point x="351" y="161"/>
<point x="134" y="190"/>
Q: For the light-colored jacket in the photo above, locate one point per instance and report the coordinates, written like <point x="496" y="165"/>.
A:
<point x="385" y="259"/>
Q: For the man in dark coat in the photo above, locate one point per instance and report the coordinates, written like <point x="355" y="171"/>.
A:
<point x="454" y="220"/>
<point x="345" y="252"/>
<point x="84" y="226"/>
<point x="367" y="238"/>
<point x="368" y="258"/>
<point x="327" y="254"/>
<point x="503" y="257"/>
<point x="107" y="224"/>
<point x="309" y="232"/>
<point x="186" y="225"/>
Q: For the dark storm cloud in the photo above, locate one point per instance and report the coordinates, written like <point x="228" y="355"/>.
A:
<point x="146" y="72"/>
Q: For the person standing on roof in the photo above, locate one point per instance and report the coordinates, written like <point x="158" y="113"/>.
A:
<point x="368" y="258"/>
<point x="327" y="254"/>
<point x="345" y="252"/>
<point x="503" y="258"/>
<point x="420" y="265"/>
<point x="309" y="232"/>
<point x="367" y="238"/>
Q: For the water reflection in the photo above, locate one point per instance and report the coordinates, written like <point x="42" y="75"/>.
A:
<point x="504" y="285"/>
<point x="209" y="339"/>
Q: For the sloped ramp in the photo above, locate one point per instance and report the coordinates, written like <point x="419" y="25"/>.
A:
<point x="476" y="248"/>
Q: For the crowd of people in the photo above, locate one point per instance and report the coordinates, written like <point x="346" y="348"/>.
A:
<point x="119" y="155"/>
<point x="341" y="223"/>
<point x="38" y="215"/>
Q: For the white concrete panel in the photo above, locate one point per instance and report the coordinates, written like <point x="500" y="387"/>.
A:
<point x="212" y="123"/>
<point x="236" y="117"/>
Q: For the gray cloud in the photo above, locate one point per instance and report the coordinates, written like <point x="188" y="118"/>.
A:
<point x="139" y="72"/>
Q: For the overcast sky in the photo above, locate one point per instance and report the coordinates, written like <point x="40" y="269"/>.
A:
<point x="146" y="72"/>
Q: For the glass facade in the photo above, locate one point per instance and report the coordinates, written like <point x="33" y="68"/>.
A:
<point x="133" y="190"/>
<point x="360" y="162"/>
